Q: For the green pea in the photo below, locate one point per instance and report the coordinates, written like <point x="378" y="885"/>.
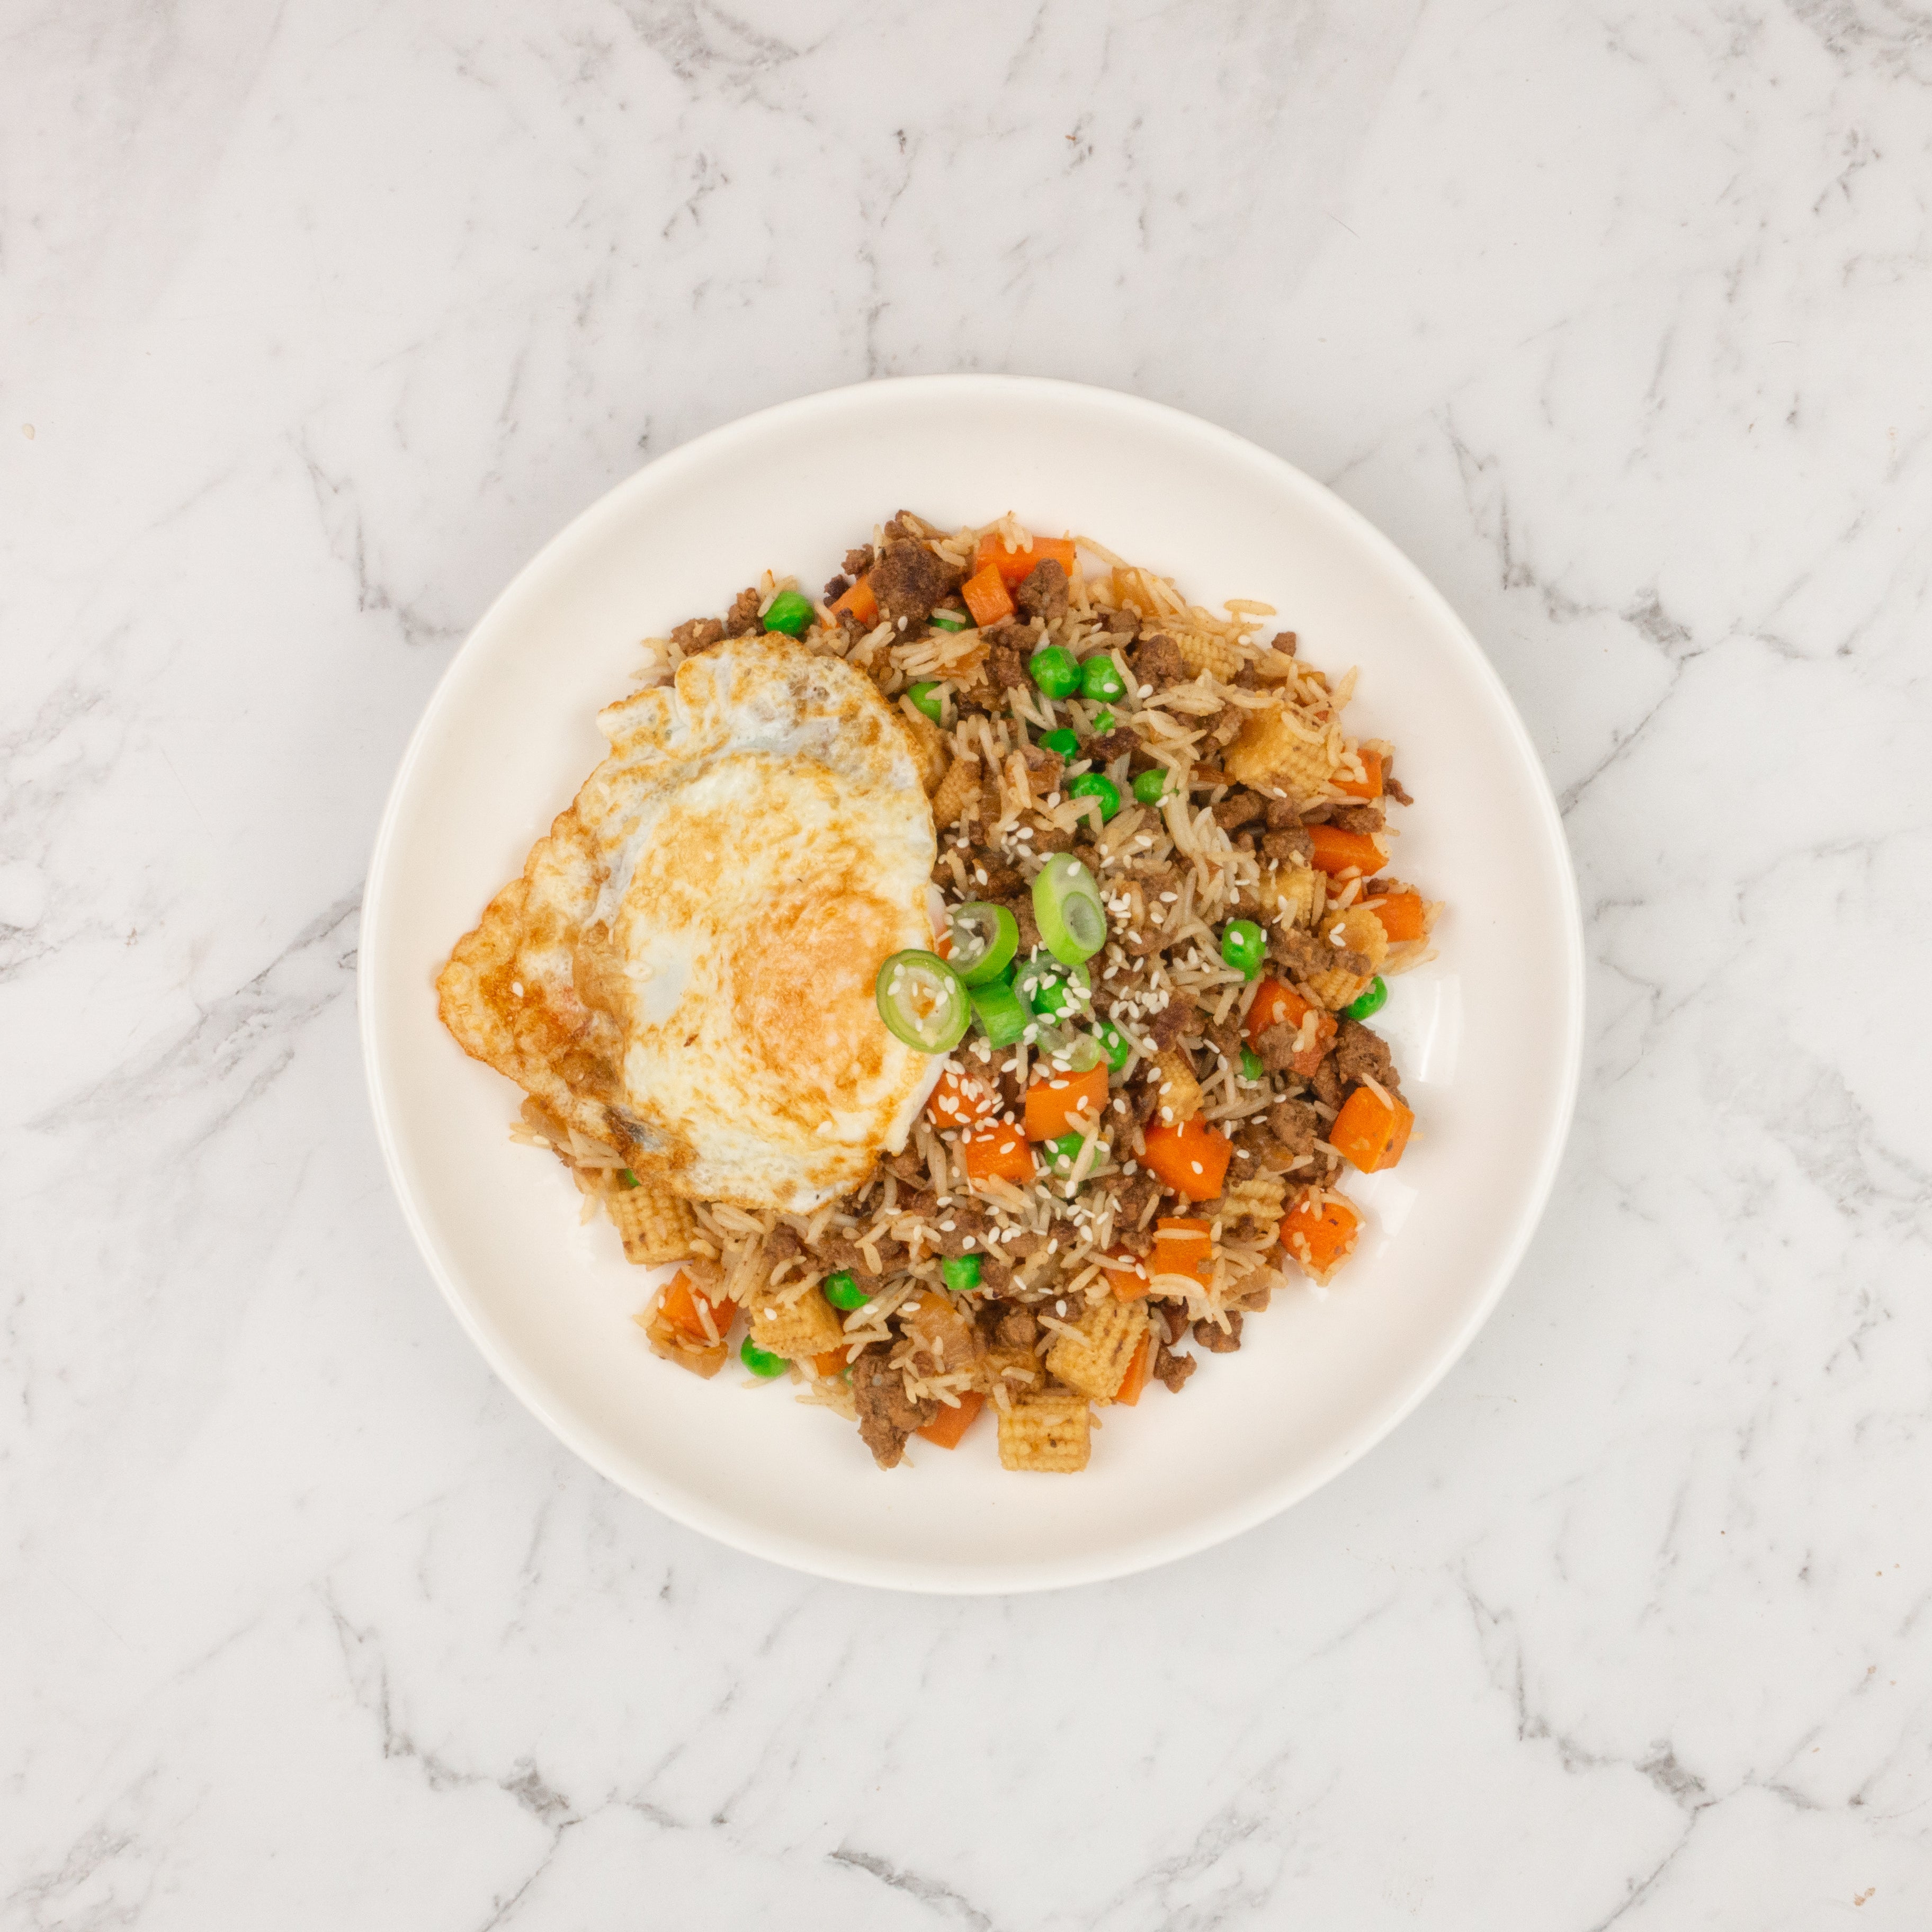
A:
<point x="1149" y="786"/>
<point x="1252" y="1068"/>
<point x="1244" y="945"/>
<point x="1054" y="670"/>
<point x="1100" y="678"/>
<point x="761" y="1361"/>
<point x="948" y="620"/>
<point x="790" y="613"/>
<point x="842" y="1291"/>
<point x="1097" y="784"/>
<point x="925" y="696"/>
<point x="1114" y="1044"/>
<point x="1052" y="990"/>
<point x="1103" y="722"/>
<point x="1062" y="741"/>
<point x="961" y="1273"/>
<point x="1372" y="1001"/>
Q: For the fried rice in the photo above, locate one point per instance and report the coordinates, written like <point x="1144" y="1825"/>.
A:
<point x="990" y="1266"/>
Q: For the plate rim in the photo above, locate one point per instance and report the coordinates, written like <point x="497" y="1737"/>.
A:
<point x="1215" y="1526"/>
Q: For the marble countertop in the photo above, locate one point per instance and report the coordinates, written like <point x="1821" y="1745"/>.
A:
<point x="317" y="321"/>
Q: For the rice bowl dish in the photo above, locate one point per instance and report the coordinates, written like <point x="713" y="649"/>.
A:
<point x="961" y="978"/>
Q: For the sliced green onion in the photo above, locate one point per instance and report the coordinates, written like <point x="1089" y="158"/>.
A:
<point x="842" y="1291"/>
<point x="790" y="613"/>
<point x="1062" y="741"/>
<point x="947" y="620"/>
<point x="985" y="937"/>
<point x="1001" y="1013"/>
<point x="925" y="696"/>
<point x="627" y="1179"/>
<point x="1067" y="904"/>
<point x="1100" y="678"/>
<point x="1114" y="1044"/>
<point x="921" y="999"/>
<point x="1252" y="1068"/>
<point x="1150" y="785"/>
<point x="1097" y="784"/>
<point x="1064" y="1150"/>
<point x="961" y="1273"/>
<point x="1071" y="1051"/>
<point x="1054" y="670"/>
<point x="1050" y="989"/>
<point x="1372" y="1001"/>
<point x="761" y="1361"/>
<point x="1244" y="945"/>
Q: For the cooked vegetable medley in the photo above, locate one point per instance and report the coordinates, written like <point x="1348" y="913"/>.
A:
<point x="1164" y="909"/>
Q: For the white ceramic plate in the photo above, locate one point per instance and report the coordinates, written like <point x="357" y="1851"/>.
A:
<point x="1487" y="1038"/>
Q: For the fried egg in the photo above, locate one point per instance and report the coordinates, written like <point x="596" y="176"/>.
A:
<point x="685" y="971"/>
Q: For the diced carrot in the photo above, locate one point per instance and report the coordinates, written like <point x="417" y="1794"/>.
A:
<point x="986" y="598"/>
<point x="959" y="1099"/>
<point x="1337" y="852"/>
<point x="829" y="1363"/>
<point x="1126" y="1272"/>
<point x="1135" y="1378"/>
<point x="1369" y="787"/>
<point x="1183" y="1247"/>
<point x="1403" y="915"/>
<point x="1056" y="1101"/>
<point x="1015" y="566"/>
<point x="949" y="1424"/>
<point x="1276" y="1005"/>
<point x="860" y="601"/>
<point x="1273" y="1004"/>
<point x="679" y="1308"/>
<point x="1370" y="1133"/>
<point x="1191" y="1159"/>
<point x="1320" y="1239"/>
<point x="996" y="1151"/>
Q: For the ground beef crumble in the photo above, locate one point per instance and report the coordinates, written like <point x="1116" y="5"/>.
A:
<point x="1156" y="662"/>
<point x="1043" y="591"/>
<point x="908" y="580"/>
<point x="742" y="617"/>
<point x="1361" y="1054"/>
<point x="887" y="1415"/>
<point x="1216" y="1340"/>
